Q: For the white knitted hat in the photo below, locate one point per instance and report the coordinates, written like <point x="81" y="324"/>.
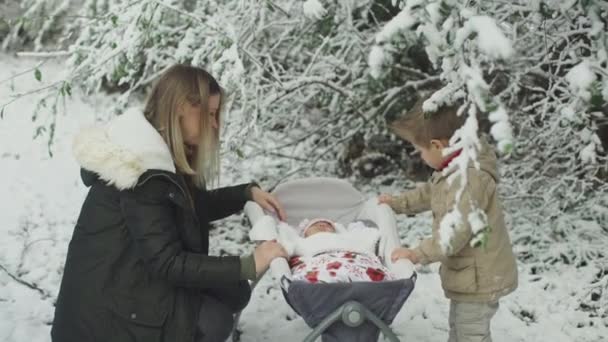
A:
<point x="306" y="223"/>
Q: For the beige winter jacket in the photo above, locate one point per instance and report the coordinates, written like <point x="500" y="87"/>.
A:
<point x="471" y="274"/>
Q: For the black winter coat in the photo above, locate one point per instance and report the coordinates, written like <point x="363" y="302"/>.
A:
<point x="137" y="265"/>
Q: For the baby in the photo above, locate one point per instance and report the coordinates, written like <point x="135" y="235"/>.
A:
<point x="323" y="251"/>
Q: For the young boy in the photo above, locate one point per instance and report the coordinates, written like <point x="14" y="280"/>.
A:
<point x="475" y="271"/>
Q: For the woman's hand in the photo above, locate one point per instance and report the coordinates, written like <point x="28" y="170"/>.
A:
<point x="268" y="202"/>
<point x="265" y="252"/>
<point x="404" y="253"/>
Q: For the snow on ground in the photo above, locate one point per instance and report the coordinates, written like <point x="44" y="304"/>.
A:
<point x="41" y="197"/>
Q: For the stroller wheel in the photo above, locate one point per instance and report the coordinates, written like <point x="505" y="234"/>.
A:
<point x="352" y="314"/>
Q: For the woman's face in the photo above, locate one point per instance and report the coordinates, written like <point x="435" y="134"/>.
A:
<point x="190" y="116"/>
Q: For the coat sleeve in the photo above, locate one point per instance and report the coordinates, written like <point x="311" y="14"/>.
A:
<point x="212" y="205"/>
<point x="150" y="222"/>
<point x="413" y="201"/>
<point x="456" y="224"/>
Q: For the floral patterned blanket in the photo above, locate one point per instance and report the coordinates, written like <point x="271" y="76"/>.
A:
<point x="339" y="267"/>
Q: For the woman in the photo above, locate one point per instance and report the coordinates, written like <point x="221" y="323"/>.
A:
<point x="137" y="267"/>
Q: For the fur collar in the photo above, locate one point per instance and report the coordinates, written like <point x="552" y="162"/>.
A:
<point x="120" y="151"/>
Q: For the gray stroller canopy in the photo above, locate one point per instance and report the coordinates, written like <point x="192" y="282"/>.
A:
<point x="330" y="198"/>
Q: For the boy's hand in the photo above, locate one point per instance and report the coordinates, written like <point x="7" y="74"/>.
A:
<point x="404" y="253"/>
<point x="385" y="199"/>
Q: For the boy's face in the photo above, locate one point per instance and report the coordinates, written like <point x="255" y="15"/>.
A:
<point x="321" y="226"/>
<point x="432" y="154"/>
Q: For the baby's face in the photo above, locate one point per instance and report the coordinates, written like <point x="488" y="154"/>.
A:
<point x="319" y="227"/>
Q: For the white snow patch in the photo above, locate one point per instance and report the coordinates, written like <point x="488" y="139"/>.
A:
<point x="314" y="9"/>
<point x="401" y="22"/>
<point x="588" y="154"/>
<point x="580" y="78"/>
<point x="229" y="69"/>
<point x="447" y="227"/>
<point x="377" y="59"/>
<point x="490" y="39"/>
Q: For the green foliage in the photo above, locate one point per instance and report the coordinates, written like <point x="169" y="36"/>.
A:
<point x="38" y="75"/>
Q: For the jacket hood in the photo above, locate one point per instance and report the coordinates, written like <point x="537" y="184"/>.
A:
<point x="120" y="151"/>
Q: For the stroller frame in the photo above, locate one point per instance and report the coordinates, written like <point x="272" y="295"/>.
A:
<point x="352" y="313"/>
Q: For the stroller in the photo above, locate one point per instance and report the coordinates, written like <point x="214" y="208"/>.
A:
<point x="356" y="311"/>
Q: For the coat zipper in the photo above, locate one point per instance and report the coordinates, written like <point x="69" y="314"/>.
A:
<point x="191" y="202"/>
<point x="186" y="194"/>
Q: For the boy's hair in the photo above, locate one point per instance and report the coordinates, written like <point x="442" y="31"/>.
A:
<point x="420" y="127"/>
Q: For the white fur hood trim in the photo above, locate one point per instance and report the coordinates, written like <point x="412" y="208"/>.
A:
<point x="120" y="151"/>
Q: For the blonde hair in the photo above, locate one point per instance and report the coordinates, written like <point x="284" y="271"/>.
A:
<point x="178" y="84"/>
<point x="420" y="127"/>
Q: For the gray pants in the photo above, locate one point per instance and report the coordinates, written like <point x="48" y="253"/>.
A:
<point x="216" y="317"/>
<point x="470" y="322"/>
